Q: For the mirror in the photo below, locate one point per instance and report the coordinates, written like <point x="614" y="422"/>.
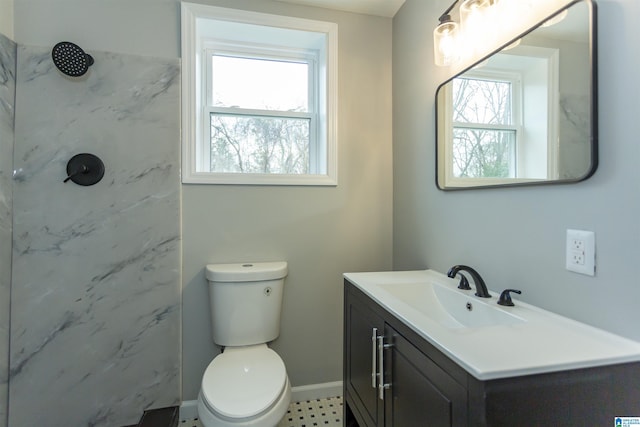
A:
<point x="525" y="114"/>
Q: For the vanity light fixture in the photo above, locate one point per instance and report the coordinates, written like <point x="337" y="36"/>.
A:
<point x="484" y="24"/>
<point x="445" y="38"/>
<point x="451" y="38"/>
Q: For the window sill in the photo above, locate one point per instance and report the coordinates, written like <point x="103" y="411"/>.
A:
<point x="259" y="179"/>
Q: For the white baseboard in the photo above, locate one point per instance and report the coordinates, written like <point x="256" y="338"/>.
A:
<point x="189" y="408"/>
<point x="316" y="391"/>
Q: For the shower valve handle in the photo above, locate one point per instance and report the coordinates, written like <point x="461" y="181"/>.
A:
<point x="82" y="169"/>
<point x="85" y="169"/>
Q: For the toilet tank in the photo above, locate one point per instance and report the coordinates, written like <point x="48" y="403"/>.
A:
<point x="246" y="302"/>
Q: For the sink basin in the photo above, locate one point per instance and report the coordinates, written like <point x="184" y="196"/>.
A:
<point x="490" y="341"/>
<point x="450" y="307"/>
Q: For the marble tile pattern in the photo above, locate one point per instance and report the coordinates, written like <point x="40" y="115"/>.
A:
<point x="95" y="319"/>
<point x="7" y="103"/>
<point x="575" y="134"/>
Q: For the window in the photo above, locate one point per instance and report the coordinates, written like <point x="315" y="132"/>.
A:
<point x="259" y="98"/>
<point x="261" y="119"/>
<point x="500" y="120"/>
<point x="486" y="125"/>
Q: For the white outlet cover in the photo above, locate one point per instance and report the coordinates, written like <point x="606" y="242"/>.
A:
<point x="581" y="252"/>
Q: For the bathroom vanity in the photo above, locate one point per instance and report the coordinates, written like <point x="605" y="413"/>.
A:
<point x="415" y="354"/>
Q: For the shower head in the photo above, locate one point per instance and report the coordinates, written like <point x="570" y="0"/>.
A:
<point x="70" y="59"/>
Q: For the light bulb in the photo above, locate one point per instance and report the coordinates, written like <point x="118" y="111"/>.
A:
<point x="471" y="13"/>
<point x="445" y="40"/>
<point x="473" y="25"/>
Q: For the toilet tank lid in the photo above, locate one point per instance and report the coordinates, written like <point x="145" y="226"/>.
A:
<point x="246" y="272"/>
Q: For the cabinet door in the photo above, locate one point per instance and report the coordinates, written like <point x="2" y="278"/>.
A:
<point x="421" y="393"/>
<point x="360" y="362"/>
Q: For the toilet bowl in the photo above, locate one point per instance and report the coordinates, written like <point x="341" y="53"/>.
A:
<point x="244" y="386"/>
<point x="247" y="384"/>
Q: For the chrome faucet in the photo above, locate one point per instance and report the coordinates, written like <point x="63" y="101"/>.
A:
<point x="481" y="288"/>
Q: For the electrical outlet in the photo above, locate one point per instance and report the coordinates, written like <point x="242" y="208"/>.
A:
<point x="577" y="244"/>
<point x="577" y="258"/>
<point x="581" y="252"/>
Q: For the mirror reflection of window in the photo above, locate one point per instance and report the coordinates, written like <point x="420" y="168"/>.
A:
<point x="525" y="114"/>
<point x="504" y="123"/>
<point x="484" y="129"/>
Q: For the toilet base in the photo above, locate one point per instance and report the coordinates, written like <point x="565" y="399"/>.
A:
<point x="270" y="418"/>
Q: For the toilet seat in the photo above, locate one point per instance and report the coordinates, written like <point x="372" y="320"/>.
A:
<point x="243" y="382"/>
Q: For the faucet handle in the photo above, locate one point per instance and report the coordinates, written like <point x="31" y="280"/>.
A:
<point x="464" y="283"/>
<point x="505" y="297"/>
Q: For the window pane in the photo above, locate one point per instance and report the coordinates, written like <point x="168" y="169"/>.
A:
<point x="253" y="144"/>
<point x="481" y="153"/>
<point x="260" y="84"/>
<point x="482" y="101"/>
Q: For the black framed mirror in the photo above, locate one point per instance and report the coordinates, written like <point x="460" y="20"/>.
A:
<point x="527" y="113"/>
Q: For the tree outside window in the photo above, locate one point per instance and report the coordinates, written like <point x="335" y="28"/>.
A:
<point x="261" y="115"/>
<point x="484" y="134"/>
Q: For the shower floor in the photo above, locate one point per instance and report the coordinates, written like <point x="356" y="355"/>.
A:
<point x="309" y="413"/>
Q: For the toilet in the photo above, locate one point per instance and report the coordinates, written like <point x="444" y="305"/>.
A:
<point x="247" y="384"/>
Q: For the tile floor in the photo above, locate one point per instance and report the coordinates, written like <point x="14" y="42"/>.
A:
<point x="311" y="413"/>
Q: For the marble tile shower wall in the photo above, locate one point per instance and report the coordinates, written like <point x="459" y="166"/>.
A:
<point x="7" y="103"/>
<point x="95" y="319"/>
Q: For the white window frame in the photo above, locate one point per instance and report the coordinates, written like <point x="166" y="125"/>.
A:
<point x="515" y="79"/>
<point x="251" y="51"/>
<point x="196" y="98"/>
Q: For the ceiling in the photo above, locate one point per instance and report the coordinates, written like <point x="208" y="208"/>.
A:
<point x="386" y="8"/>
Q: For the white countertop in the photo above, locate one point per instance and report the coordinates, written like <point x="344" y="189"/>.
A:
<point x="545" y="342"/>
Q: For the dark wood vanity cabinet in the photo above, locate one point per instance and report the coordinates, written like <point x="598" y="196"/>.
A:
<point x="427" y="389"/>
<point x="360" y="364"/>
<point x="421" y="392"/>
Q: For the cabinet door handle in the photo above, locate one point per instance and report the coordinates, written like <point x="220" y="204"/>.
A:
<point x="381" y="384"/>
<point x="374" y="336"/>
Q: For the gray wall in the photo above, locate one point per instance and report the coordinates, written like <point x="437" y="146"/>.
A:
<point x="321" y="232"/>
<point x="516" y="237"/>
<point x="7" y="108"/>
<point x="6" y="18"/>
<point x="140" y="27"/>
